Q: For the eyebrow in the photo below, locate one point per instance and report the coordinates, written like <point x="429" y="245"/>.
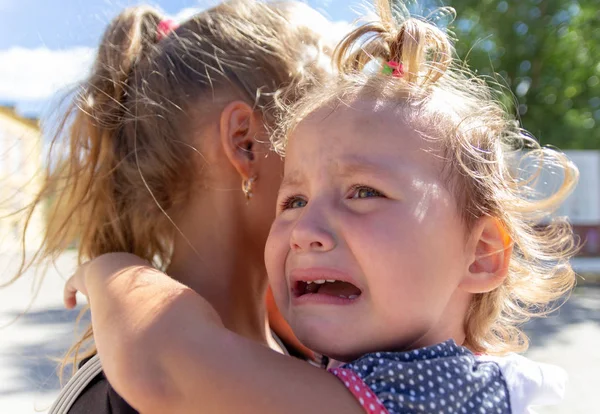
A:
<point x="292" y="180"/>
<point x="357" y="165"/>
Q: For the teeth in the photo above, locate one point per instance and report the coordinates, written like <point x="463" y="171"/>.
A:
<point x="320" y="281"/>
<point x="330" y="280"/>
<point x="308" y="282"/>
<point x="348" y="297"/>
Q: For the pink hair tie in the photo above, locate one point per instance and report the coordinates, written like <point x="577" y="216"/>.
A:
<point x="164" y="28"/>
<point x="395" y="69"/>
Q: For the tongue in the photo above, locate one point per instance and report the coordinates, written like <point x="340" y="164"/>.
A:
<point x="339" y="289"/>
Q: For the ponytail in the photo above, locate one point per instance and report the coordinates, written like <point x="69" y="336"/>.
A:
<point x="93" y="126"/>
<point x="423" y="49"/>
<point x="82" y="179"/>
<point x="129" y="38"/>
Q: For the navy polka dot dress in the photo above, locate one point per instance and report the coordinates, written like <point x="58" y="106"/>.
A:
<point x="444" y="378"/>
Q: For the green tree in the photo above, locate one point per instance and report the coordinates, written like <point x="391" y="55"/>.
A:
<point x="548" y="53"/>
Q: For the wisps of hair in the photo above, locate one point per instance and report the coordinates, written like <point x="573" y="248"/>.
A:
<point x="423" y="49"/>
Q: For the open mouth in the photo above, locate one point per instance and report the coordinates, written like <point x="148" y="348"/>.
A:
<point x="336" y="288"/>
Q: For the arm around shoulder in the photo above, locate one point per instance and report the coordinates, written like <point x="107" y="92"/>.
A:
<point x="164" y="349"/>
<point x="136" y="312"/>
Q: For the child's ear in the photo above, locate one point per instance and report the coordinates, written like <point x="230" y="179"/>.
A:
<point x="490" y="249"/>
<point x="238" y="128"/>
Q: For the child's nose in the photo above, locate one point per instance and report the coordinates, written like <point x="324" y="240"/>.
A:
<point x="311" y="235"/>
<point x="315" y="242"/>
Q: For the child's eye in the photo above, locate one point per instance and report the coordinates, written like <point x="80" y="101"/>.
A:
<point x="293" y="202"/>
<point x="362" y="191"/>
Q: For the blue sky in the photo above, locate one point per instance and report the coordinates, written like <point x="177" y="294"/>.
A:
<point x="69" y="23"/>
<point x="48" y="45"/>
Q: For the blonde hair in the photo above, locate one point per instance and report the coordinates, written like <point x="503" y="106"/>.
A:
<point x="120" y="165"/>
<point x="480" y="142"/>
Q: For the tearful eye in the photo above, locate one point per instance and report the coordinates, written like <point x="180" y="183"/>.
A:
<point x="293" y="202"/>
<point x="297" y="203"/>
<point x="365" y="192"/>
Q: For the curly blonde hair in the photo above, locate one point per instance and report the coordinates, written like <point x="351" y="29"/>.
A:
<point x="481" y="144"/>
<point x="121" y="164"/>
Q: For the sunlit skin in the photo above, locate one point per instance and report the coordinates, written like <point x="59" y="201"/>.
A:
<point x="363" y="201"/>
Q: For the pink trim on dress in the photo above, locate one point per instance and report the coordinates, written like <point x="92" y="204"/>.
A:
<point x="365" y="396"/>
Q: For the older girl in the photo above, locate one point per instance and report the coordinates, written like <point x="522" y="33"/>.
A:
<point x="164" y="153"/>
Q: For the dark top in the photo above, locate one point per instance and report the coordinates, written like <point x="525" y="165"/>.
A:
<point x="99" y="397"/>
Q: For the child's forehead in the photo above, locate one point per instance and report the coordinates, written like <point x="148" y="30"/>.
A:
<point x="358" y="112"/>
<point x="352" y="141"/>
<point x="364" y="126"/>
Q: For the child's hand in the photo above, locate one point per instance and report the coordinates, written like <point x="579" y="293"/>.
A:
<point x="97" y="272"/>
<point x="76" y="283"/>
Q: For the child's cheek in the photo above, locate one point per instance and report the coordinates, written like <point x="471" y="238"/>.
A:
<point x="276" y="251"/>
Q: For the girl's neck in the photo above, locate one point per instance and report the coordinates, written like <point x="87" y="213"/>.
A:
<point x="220" y="271"/>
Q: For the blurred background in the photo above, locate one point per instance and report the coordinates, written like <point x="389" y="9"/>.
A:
<point x="544" y="53"/>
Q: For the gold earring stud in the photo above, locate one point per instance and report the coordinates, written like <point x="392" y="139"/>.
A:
<point x="247" y="187"/>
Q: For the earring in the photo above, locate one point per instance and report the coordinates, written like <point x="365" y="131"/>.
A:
<point x="247" y="187"/>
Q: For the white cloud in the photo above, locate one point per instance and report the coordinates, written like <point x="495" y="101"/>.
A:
<point x="301" y="14"/>
<point x="37" y="74"/>
<point x="340" y="29"/>
<point x="184" y="14"/>
<point x="34" y="74"/>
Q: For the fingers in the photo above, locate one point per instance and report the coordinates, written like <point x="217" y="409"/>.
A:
<point x="70" y="294"/>
<point x="73" y="285"/>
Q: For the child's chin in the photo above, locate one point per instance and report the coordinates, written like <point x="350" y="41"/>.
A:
<point x="335" y="347"/>
<point x="329" y="336"/>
